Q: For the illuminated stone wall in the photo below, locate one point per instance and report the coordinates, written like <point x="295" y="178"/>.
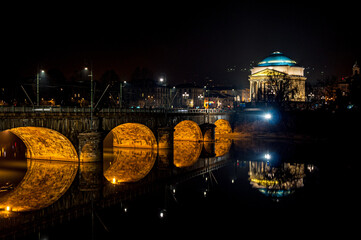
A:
<point x="133" y="135"/>
<point x="44" y="143"/>
<point x="187" y="131"/>
<point x="44" y="183"/>
<point x="222" y="127"/>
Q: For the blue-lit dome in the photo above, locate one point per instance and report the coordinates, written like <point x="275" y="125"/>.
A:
<point x="277" y="59"/>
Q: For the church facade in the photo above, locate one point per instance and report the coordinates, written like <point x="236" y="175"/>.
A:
<point x="277" y="78"/>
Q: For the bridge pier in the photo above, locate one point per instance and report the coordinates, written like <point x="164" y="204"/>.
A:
<point x="165" y="137"/>
<point x="91" y="146"/>
<point x="208" y="131"/>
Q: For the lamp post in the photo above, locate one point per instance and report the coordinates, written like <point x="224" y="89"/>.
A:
<point x="37" y="87"/>
<point x="91" y="96"/>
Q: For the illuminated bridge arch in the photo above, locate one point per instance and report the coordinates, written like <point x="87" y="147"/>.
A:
<point x="188" y="131"/>
<point x="133" y="135"/>
<point x="222" y="127"/>
<point x="44" y="143"/>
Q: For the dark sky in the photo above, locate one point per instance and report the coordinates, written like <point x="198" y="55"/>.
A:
<point x="188" y="41"/>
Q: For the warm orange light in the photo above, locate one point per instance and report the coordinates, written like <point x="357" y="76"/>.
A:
<point x="188" y="131"/>
<point x="186" y="153"/>
<point x="133" y="135"/>
<point x="222" y="127"/>
<point x="130" y="165"/>
<point x="45" y="143"/>
<point x="43" y="184"/>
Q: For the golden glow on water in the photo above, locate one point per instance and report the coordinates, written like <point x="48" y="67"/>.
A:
<point x="43" y="184"/>
<point x="44" y="143"/>
<point x="222" y="127"/>
<point x="133" y="135"/>
<point x="222" y="147"/>
<point x="128" y="164"/>
<point x="186" y="153"/>
<point x="188" y="131"/>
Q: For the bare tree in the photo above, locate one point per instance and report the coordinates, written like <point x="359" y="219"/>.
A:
<point x="280" y="88"/>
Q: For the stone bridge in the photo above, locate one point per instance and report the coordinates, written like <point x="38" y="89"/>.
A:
<point x="74" y="133"/>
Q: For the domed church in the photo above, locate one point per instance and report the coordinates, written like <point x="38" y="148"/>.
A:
<point x="277" y="78"/>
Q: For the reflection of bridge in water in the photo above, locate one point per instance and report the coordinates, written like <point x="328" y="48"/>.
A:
<point x="128" y="173"/>
<point x="54" y="190"/>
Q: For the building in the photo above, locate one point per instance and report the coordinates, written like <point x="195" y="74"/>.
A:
<point x="344" y="84"/>
<point x="277" y="78"/>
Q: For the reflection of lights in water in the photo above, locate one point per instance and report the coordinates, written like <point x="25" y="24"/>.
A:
<point x="43" y="184"/>
<point x="162" y="213"/>
<point x="222" y="146"/>
<point x="186" y="153"/>
<point x="128" y="164"/>
<point x="276" y="181"/>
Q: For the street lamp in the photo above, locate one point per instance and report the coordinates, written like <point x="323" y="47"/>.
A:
<point x="38" y="76"/>
<point x="91" y="96"/>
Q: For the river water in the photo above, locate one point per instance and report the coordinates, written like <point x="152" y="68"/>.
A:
<point x="252" y="187"/>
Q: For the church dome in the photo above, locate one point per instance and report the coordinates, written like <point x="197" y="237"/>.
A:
<point x="277" y="59"/>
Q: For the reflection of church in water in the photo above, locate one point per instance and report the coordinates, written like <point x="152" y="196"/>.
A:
<point x="277" y="74"/>
<point x="276" y="181"/>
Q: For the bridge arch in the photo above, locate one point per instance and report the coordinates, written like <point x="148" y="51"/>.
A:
<point x="45" y="143"/>
<point x="188" y="130"/>
<point x="222" y="127"/>
<point x="133" y="135"/>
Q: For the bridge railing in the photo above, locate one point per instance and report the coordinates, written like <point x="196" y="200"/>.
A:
<point x="13" y="109"/>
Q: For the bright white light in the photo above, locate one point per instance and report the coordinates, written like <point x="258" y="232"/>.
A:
<point x="267" y="116"/>
<point x="267" y="156"/>
<point x="161" y="214"/>
<point x="161" y="79"/>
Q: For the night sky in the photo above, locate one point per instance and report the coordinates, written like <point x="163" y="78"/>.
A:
<point x="188" y="41"/>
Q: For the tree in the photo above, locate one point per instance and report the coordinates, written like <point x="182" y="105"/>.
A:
<point x="280" y="88"/>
